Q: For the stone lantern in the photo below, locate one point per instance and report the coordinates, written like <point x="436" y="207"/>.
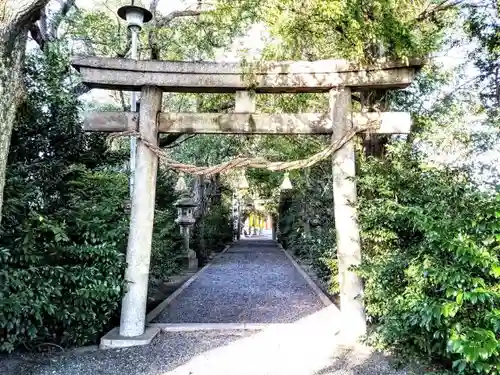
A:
<point x="185" y="218"/>
<point x="185" y="206"/>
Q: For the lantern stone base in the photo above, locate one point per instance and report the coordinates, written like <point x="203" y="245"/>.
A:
<point x="192" y="260"/>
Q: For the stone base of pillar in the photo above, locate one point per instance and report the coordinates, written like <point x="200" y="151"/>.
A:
<point x="192" y="260"/>
<point x="112" y="339"/>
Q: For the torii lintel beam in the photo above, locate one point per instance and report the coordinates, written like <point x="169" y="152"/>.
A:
<point x="268" y="77"/>
<point x="246" y="123"/>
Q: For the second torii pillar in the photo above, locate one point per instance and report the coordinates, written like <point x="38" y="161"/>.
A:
<point x="346" y="219"/>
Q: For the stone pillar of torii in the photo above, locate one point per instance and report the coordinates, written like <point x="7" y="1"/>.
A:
<point x="152" y="78"/>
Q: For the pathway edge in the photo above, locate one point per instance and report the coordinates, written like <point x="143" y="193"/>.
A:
<point x="321" y="295"/>
<point x="192" y="327"/>
<point x="158" y="309"/>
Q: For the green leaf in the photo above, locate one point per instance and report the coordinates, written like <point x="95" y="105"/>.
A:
<point x="459" y="365"/>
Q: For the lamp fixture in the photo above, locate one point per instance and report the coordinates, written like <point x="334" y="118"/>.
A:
<point x="242" y="182"/>
<point x="135" y="16"/>
<point x="180" y="185"/>
<point x="286" y="184"/>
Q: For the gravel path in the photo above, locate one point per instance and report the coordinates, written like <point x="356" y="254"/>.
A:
<point x="253" y="282"/>
<point x="164" y="354"/>
<point x="218" y="353"/>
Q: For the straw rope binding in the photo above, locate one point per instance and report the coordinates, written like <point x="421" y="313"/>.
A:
<point x="241" y="162"/>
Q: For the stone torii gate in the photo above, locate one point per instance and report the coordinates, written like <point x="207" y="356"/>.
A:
<point x="338" y="77"/>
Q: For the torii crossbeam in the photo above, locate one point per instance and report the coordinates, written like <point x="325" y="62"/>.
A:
<point x="338" y="77"/>
<point x="268" y="77"/>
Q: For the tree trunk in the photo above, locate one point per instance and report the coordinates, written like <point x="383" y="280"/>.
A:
<point x="202" y="200"/>
<point x="16" y="17"/>
<point x="374" y="145"/>
<point x="11" y="93"/>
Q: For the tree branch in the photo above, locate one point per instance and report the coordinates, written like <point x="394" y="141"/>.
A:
<point x="223" y="106"/>
<point x="42" y="33"/>
<point x="181" y="142"/>
<point x="36" y="34"/>
<point x="442" y="6"/>
<point x="168" y="140"/>
<point x="43" y="23"/>
<point x="122" y="100"/>
<point x="18" y="14"/>
<point x="164" y="21"/>
<point x="81" y="89"/>
<point x="153" y="6"/>
<point x="153" y="46"/>
<point x="124" y="52"/>
<point x="59" y="17"/>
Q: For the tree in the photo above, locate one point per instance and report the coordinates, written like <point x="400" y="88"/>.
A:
<point x="483" y="27"/>
<point x="16" y="19"/>
<point x="63" y="217"/>
<point x="358" y="30"/>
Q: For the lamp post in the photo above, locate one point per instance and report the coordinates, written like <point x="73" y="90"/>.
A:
<point x="133" y="312"/>
<point x="136" y="17"/>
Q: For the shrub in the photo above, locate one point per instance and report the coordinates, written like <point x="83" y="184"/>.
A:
<point x="430" y="244"/>
<point x="306" y="225"/>
<point x="61" y="272"/>
<point x="167" y="253"/>
<point x="214" y="231"/>
<point x="64" y="229"/>
<point x="316" y="247"/>
<point x="431" y="266"/>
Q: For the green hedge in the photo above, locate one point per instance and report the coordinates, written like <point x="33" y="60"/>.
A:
<point x="167" y="253"/>
<point x="432" y="274"/>
<point x="64" y="229"/>
<point x="213" y="231"/>
<point x="61" y="273"/>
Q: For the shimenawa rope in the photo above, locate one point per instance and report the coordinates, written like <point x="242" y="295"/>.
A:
<point x="241" y="162"/>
